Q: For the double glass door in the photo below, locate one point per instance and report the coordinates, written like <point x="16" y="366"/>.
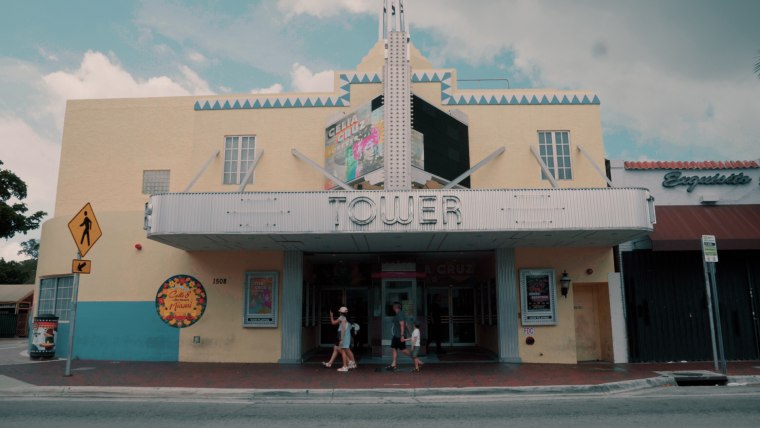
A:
<point x="456" y="308"/>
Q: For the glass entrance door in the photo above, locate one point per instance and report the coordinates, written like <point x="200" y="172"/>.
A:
<point x="402" y="291"/>
<point x="455" y="307"/>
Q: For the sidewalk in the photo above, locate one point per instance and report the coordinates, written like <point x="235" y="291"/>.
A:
<point x="172" y="379"/>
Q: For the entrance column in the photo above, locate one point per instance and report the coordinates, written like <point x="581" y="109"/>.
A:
<point x="506" y="300"/>
<point x="292" y="303"/>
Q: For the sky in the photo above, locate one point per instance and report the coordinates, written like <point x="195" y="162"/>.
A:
<point x="675" y="77"/>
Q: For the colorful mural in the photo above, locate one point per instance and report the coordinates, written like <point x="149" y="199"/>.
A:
<point x="181" y="301"/>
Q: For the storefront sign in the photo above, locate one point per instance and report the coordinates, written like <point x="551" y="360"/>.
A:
<point x="181" y="301"/>
<point x="412" y="209"/>
<point x="260" y="299"/>
<point x="538" y="297"/>
<point x="676" y="178"/>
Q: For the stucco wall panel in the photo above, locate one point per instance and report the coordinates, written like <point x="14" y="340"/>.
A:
<point x="108" y="143"/>
<point x="223" y="337"/>
<point x="556" y="344"/>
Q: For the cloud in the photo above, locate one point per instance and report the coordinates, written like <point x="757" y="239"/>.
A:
<point x="304" y="80"/>
<point x="256" y="37"/>
<point x="327" y="8"/>
<point x="34" y="159"/>
<point x="659" y="83"/>
<point x="673" y="74"/>
<point x="98" y="76"/>
<point x="274" y="89"/>
<point x="196" y="57"/>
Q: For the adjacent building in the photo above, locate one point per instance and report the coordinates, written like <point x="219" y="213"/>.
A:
<point x="665" y="295"/>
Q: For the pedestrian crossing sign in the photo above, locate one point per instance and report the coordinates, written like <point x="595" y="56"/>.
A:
<point x="85" y="229"/>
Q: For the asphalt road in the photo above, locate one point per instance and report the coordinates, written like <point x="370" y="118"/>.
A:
<point x="693" y="407"/>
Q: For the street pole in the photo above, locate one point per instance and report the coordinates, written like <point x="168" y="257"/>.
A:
<point x="708" y="288"/>
<point x="721" y="357"/>
<point x="709" y="259"/>
<point x="72" y="321"/>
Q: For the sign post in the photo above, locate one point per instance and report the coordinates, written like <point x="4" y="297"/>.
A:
<point x="85" y="230"/>
<point x="710" y="258"/>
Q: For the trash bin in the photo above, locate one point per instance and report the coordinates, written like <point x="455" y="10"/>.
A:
<point x="44" y="332"/>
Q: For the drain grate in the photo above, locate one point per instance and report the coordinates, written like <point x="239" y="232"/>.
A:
<point x="696" y="378"/>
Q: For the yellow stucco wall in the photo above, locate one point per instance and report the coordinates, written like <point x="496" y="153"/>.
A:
<point x="556" y="344"/>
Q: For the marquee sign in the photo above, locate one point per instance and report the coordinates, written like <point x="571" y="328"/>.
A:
<point x="181" y="301"/>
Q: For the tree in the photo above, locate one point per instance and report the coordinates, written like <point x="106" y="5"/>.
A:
<point x="12" y="218"/>
<point x="31" y="248"/>
<point x="14" y="272"/>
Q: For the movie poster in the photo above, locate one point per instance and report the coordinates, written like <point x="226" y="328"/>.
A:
<point x="260" y="299"/>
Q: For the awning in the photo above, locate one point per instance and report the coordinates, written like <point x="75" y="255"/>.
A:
<point x="680" y="228"/>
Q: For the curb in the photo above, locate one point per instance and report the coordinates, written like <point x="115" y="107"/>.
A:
<point x="381" y="395"/>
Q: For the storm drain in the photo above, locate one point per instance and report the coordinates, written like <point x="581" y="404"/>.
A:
<point x="697" y="378"/>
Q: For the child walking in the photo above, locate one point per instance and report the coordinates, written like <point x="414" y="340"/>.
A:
<point x="415" y="339"/>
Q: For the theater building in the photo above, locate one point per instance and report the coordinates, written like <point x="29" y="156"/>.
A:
<point x="664" y="281"/>
<point x="232" y="224"/>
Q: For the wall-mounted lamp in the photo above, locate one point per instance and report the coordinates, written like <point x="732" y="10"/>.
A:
<point x="564" y="283"/>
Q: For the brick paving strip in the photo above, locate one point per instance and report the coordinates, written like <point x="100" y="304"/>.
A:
<point x="366" y="377"/>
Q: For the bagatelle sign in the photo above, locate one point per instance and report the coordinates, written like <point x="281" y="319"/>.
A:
<point x="676" y="178"/>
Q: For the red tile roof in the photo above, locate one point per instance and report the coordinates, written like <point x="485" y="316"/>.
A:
<point x="691" y="165"/>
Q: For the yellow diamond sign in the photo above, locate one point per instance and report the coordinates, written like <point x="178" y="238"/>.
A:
<point x="85" y="229"/>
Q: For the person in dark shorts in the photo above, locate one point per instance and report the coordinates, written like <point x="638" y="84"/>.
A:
<point x="398" y="330"/>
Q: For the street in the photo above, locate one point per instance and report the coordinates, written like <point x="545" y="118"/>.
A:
<point x="736" y="406"/>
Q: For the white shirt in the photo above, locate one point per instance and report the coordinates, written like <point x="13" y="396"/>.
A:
<point x="416" y="337"/>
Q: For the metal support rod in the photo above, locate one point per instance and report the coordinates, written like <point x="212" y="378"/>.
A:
<point x="477" y="166"/>
<point x="72" y="321"/>
<point x="202" y="170"/>
<point x="544" y="167"/>
<point x="708" y="289"/>
<point x="324" y="172"/>
<point x="713" y="311"/>
<point x="244" y="181"/>
<point x="595" y="165"/>
<point x="718" y="328"/>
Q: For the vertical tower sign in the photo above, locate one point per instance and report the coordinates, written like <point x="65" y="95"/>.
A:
<point x="398" y="101"/>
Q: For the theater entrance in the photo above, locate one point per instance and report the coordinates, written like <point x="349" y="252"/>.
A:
<point x="369" y="284"/>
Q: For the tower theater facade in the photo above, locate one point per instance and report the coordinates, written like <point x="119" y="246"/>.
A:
<point x="270" y="210"/>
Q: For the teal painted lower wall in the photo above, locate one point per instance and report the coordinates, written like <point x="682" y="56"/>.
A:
<point x="125" y="331"/>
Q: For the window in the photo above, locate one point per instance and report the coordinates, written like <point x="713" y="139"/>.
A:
<point x="155" y="181"/>
<point x="55" y="297"/>
<point x="554" y="147"/>
<point x="238" y="157"/>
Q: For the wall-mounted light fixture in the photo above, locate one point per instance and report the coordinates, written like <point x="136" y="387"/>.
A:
<point x="564" y="283"/>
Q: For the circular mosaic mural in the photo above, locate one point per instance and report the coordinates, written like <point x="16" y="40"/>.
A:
<point x="181" y="301"/>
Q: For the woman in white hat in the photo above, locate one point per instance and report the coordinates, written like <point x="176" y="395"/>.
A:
<point x="343" y="342"/>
